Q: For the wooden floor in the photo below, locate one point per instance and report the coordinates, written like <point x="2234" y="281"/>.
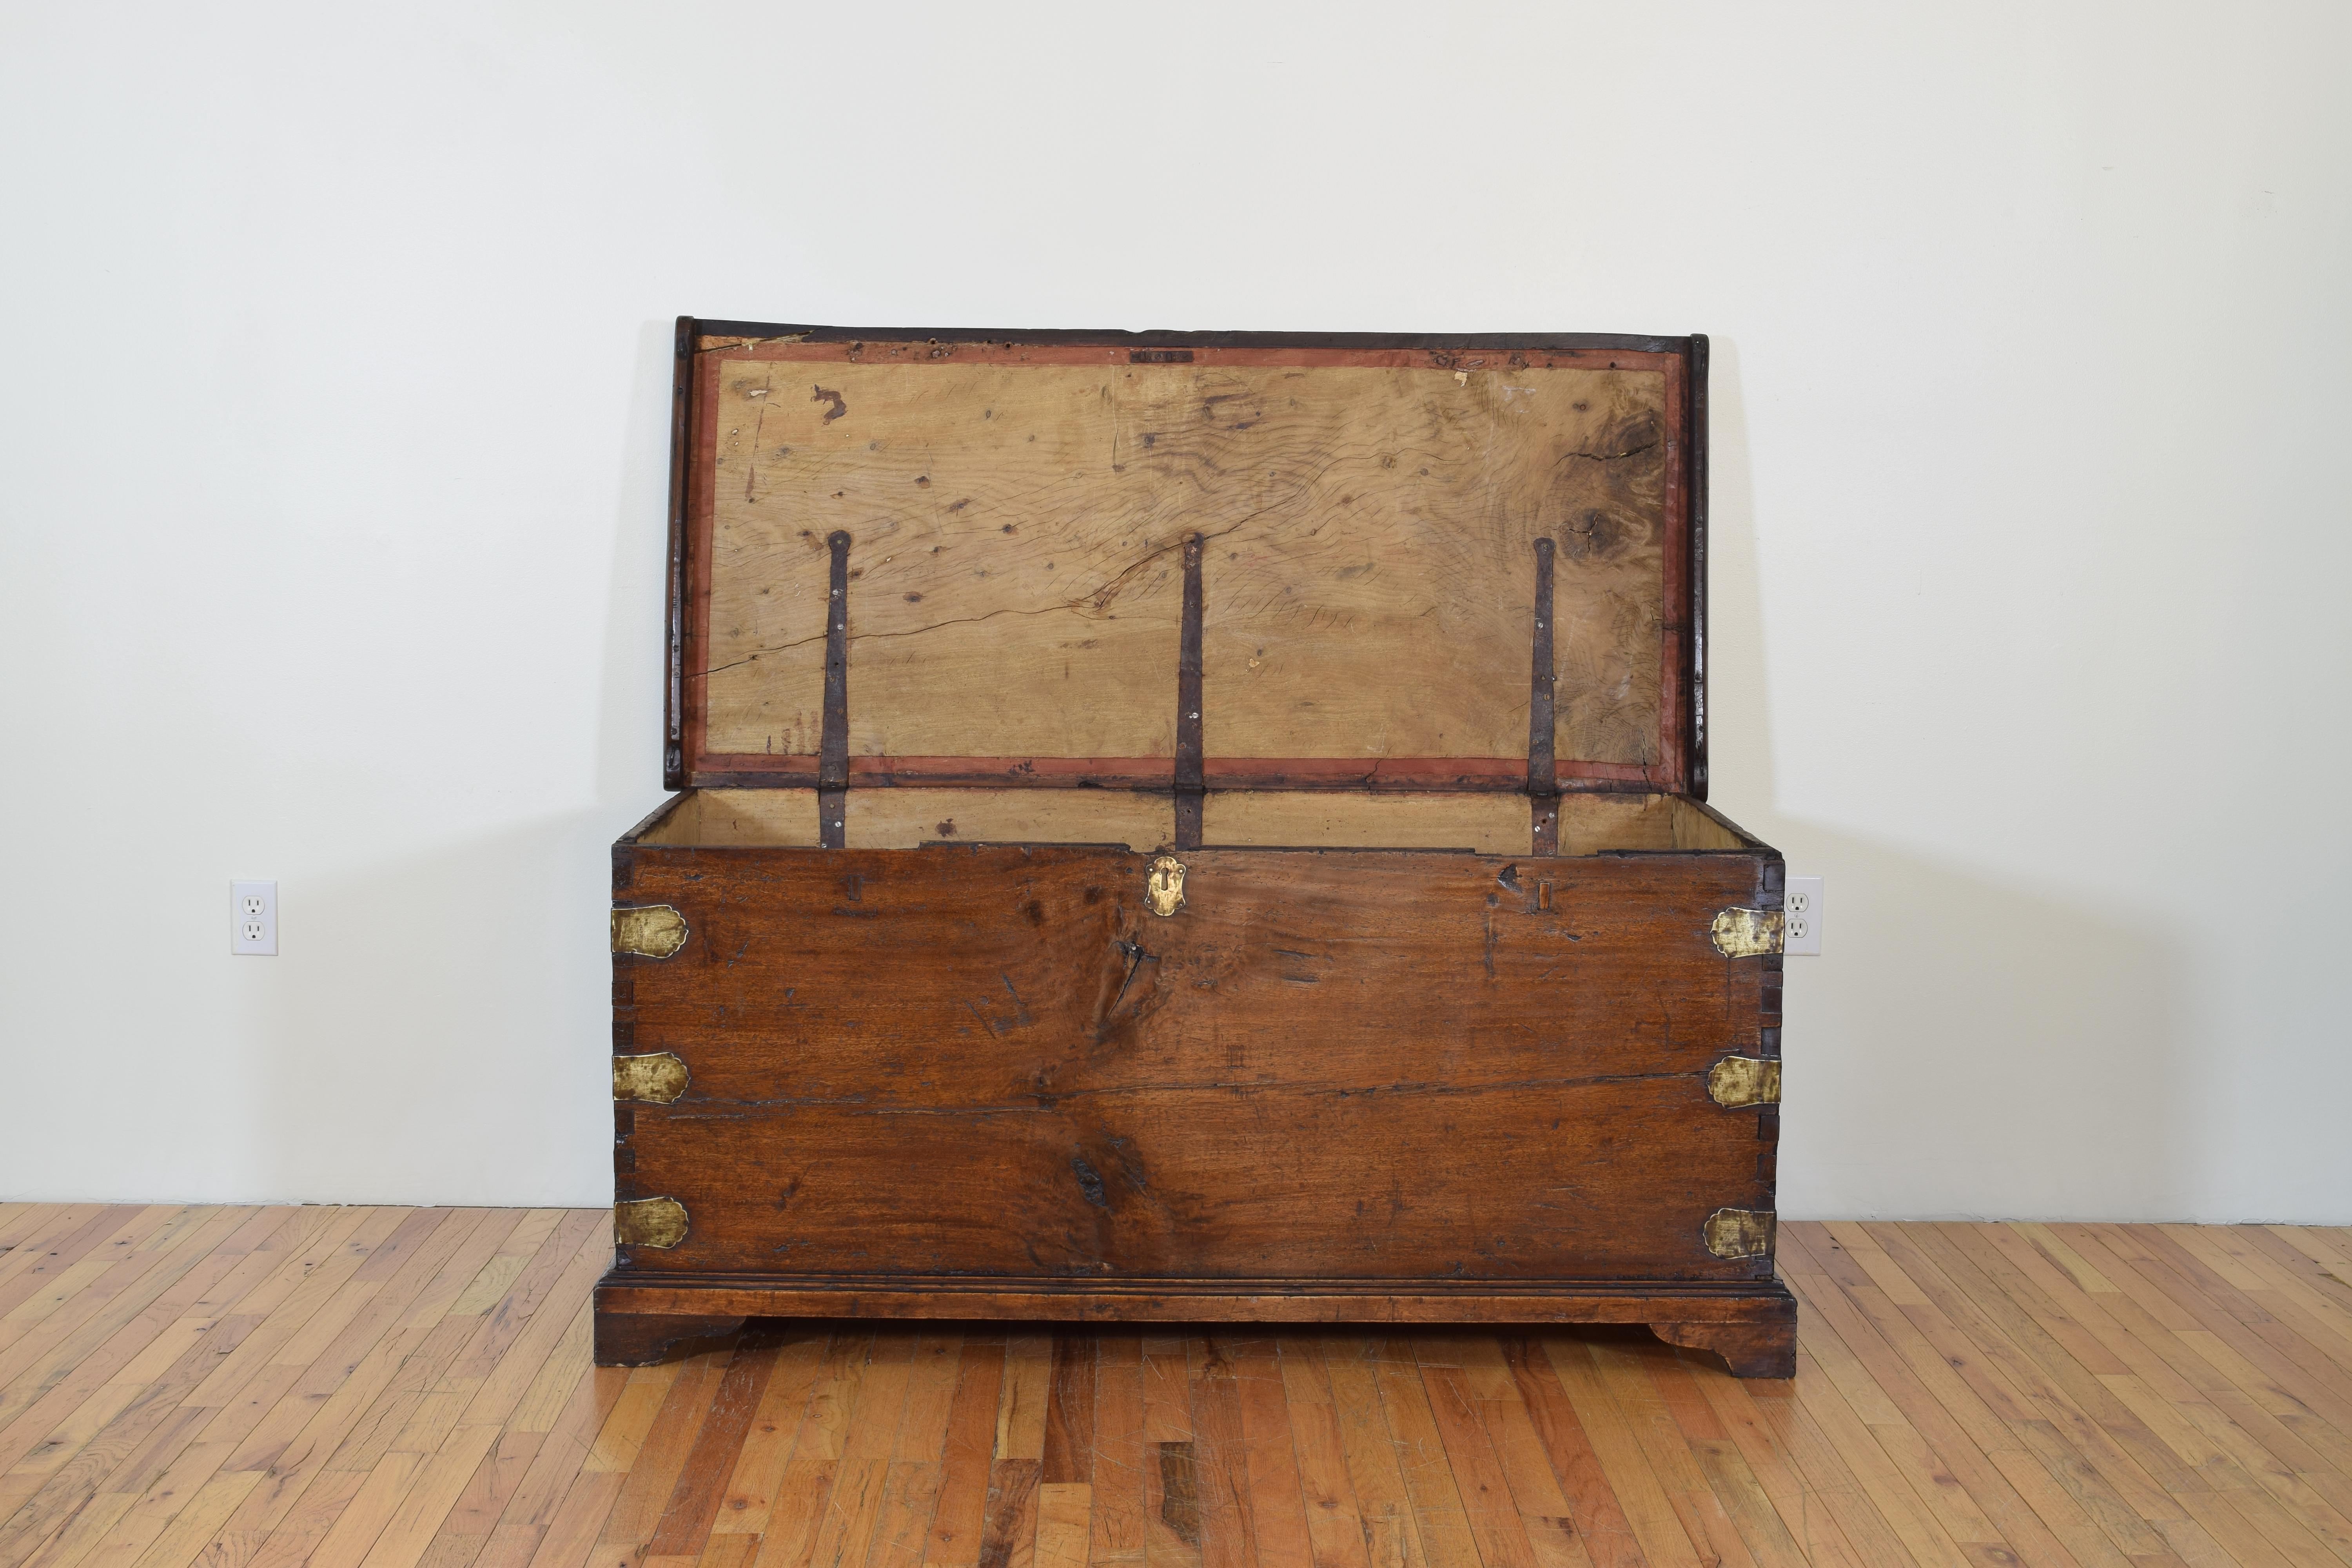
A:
<point x="385" y="1388"/>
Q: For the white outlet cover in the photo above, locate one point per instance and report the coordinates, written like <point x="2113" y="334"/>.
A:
<point x="1801" y="929"/>
<point x="253" y="919"/>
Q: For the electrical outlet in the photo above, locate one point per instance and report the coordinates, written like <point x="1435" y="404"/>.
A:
<point x="1801" y="929"/>
<point x="253" y="919"/>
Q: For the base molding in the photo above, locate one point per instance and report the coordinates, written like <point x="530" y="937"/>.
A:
<point x="642" y="1339"/>
<point x="1750" y="1350"/>
<point x="641" y="1317"/>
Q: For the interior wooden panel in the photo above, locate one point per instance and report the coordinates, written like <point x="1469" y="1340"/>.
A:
<point x="724" y="817"/>
<point x="904" y="818"/>
<point x="1696" y="827"/>
<point x="1599" y="823"/>
<point x="1016" y="576"/>
<point x="1497" y="823"/>
<point x="1489" y="823"/>
<point x="1009" y="595"/>
<point x="1404" y="545"/>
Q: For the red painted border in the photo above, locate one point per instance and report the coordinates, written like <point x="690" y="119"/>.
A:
<point x="1507" y="776"/>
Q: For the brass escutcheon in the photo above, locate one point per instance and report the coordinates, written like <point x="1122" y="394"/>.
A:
<point x="1163" y="889"/>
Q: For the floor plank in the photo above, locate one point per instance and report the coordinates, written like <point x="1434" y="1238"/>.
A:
<point x="183" y="1386"/>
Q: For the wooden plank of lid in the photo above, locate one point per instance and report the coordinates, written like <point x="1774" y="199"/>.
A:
<point x="1019" y="509"/>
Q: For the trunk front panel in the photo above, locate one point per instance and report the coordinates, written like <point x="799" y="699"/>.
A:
<point x="1332" y="1065"/>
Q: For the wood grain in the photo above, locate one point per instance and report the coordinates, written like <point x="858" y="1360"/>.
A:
<point x="728" y="816"/>
<point x="906" y="818"/>
<point x="1486" y="824"/>
<point x="1016" y="517"/>
<point x="398" y="1388"/>
<point x="1055" y="1084"/>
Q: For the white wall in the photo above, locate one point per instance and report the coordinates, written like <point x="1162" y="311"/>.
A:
<point x="333" y="352"/>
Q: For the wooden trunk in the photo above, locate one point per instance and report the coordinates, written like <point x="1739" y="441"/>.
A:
<point x="1191" y="828"/>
